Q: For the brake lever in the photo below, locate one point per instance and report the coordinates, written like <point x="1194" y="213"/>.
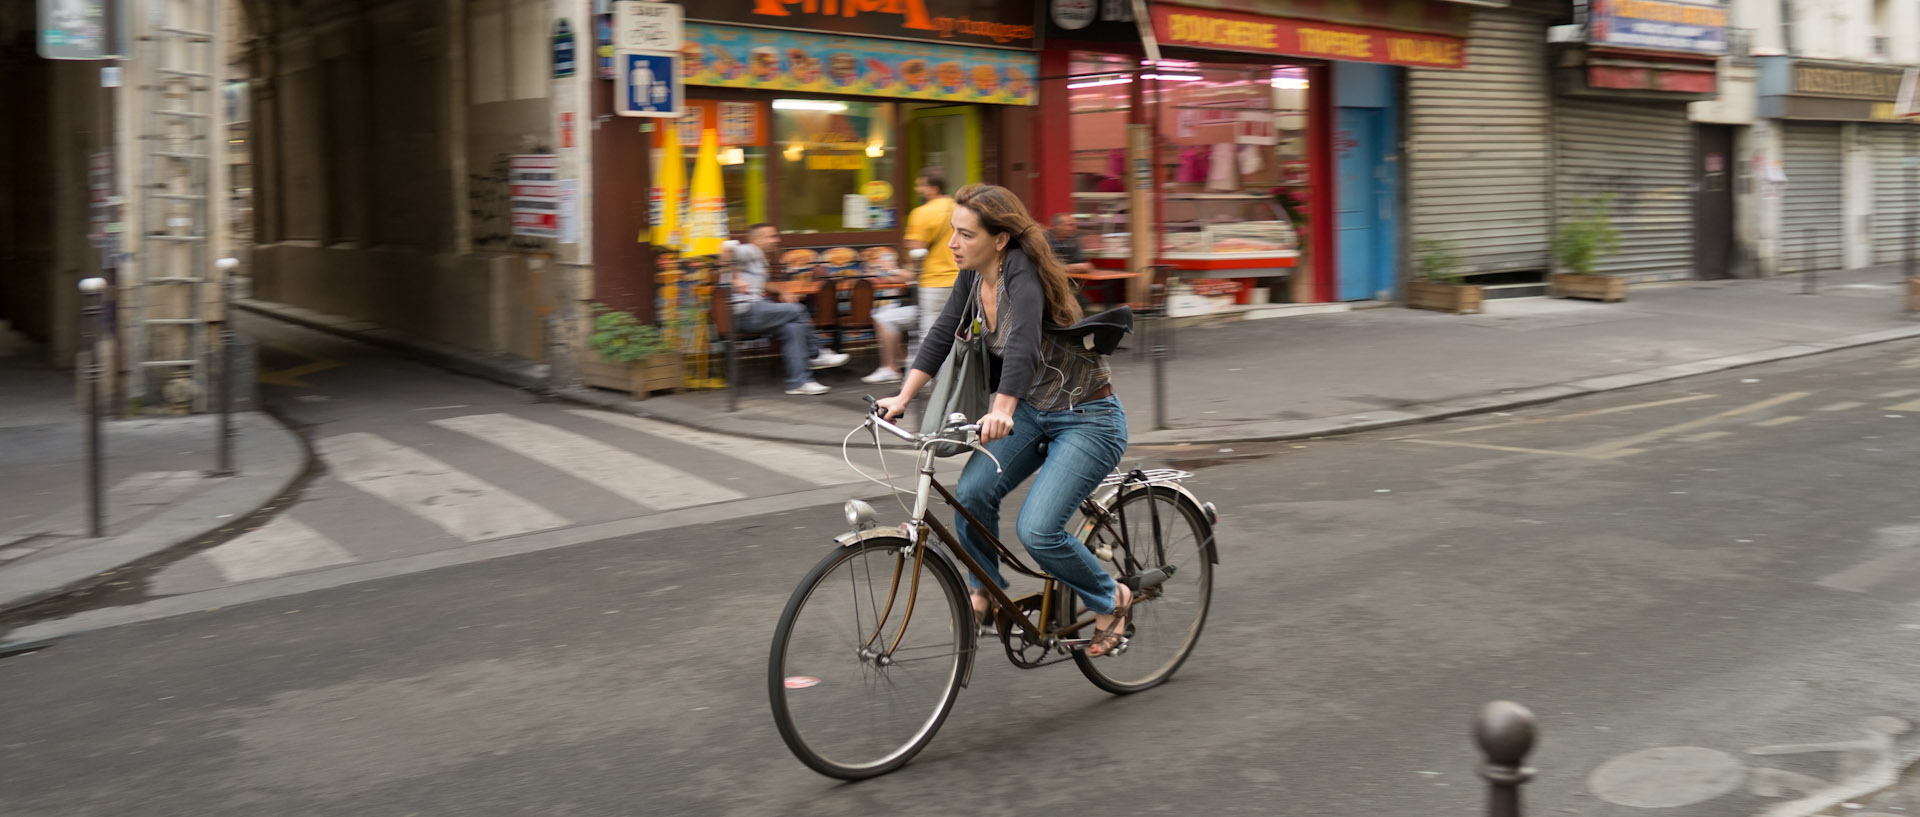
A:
<point x="973" y="442"/>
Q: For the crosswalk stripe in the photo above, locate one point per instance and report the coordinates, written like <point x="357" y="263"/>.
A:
<point x="1842" y="405"/>
<point x="282" y="546"/>
<point x="819" y="469"/>
<point x="460" y="503"/>
<point x="623" y="472"/>
<point x="1910" y="405"/>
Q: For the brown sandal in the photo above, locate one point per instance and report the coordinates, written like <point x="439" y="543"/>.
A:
<point x="1106" y="641"/>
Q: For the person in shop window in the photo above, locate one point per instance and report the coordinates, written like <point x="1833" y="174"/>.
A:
<point x="760" y="309"/>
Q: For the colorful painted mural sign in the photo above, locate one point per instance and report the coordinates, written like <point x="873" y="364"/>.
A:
<point x="1658" y="25"/>
<point x="732" y="57"/>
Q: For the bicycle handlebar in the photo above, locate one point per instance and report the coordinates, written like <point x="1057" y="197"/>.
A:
<point x="971" y="430"/>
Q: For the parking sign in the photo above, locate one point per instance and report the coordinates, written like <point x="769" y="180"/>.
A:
<point x="647" y="84"/>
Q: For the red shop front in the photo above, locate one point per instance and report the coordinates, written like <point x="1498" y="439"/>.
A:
<point x="1209" y="152"/>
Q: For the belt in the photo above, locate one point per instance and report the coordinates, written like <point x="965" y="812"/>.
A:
<point x="1099" y="394"/>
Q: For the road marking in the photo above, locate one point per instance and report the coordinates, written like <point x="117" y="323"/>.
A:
<point x="1705" y="436"/>
<point x="1842" y="405"/>
<point x="1910" y="405"/>
<point x="1585" y="414"/>
<point x="460" y="503"/>
<point x="643" y="481"/>
<point x="1507" y="448"/>
<point x="1898" y="393"/>
<point x="1619" y="448"/>
<point x="291" y="376"/>
<point x="792" y="461"/>
<point x="1865" y="576"/>
<point x="283" y="546"/>
<point x="1778" y="421"/>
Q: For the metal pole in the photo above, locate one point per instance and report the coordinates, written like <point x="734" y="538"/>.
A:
<point x="1505" y="731"/>
<point x="91" y="290"/>
<point x="1162" y="325"/>
<point x="225" y="468"/>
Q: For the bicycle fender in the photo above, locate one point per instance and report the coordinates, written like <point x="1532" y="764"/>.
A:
<point x="1204" y="511"/>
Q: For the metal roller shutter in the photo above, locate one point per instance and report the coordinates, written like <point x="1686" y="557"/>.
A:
<point x="1477" y="168"/>
<point x="1642" y="152"/>
<point x="1811" y="215"/>
<point x="1893" y="199"/>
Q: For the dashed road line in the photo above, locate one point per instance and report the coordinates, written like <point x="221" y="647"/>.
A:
<point x="1627" y="445"/>
<point x="1843" y="405"/>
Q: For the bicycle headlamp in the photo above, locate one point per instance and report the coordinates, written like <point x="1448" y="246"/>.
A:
<point x="859" y="514"/>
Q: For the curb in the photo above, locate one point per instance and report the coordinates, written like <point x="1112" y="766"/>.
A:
<point x="271" y="458"/>
<point x="533" y="377"/>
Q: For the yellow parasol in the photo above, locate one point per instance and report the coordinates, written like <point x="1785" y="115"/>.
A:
<point x="706" y="200"/>
<point x="669" y="183"/>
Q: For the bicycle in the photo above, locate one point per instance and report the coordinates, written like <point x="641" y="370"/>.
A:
<point x="865" y="667"/>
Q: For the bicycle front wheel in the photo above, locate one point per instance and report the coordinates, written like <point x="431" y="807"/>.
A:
<point x="866" y="665"/>
<point x="1163" y="533"/>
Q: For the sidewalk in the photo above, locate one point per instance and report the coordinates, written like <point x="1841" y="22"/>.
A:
<point x="158" y="493"/>
<point x="1319" y="374"/>
<point x="1286" y="378"/>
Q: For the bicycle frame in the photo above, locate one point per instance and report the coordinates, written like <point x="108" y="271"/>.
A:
<point x="920" y="526"/>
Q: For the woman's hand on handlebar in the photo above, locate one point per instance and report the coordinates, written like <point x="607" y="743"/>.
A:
<point x="891" y="407"/>
<point x="994" y="425"/>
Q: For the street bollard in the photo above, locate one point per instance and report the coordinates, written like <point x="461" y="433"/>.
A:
<point x="91" y="292"/>
<point x="224" y="465"/>
<point x="1505" y="731"/>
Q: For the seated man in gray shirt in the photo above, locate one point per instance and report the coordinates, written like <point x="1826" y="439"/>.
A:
<point x="785" y="319"/>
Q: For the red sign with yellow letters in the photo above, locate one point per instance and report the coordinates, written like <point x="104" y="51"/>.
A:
<point x="1232" y="31"/>
<point x="1001" y="23"/>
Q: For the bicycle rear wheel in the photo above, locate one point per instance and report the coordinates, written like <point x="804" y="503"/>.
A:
<point x="847" y="702"/>
<point x="1167" y="618"/>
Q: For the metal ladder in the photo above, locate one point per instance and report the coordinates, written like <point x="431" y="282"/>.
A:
<point x="172" y="292"/>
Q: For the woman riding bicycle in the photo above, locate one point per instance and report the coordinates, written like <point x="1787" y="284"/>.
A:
<point x="1049" y="387"/>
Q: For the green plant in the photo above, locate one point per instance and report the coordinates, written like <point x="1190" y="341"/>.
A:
<point x="619" y="336"/>
<point x="1589" y="236"/>
<point x="1438" y="260"/>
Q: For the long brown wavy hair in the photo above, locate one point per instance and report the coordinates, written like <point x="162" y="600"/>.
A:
<point x="1001" y="213"/>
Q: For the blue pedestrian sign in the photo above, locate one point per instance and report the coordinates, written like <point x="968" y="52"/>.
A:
<point x="647" y="84"/>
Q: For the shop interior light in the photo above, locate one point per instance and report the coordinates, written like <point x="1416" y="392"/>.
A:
<point x="875" y="149"/>
<point x="1290" y="83"/>
<point x="794" y="151"/>
<point x="1095" y="83"/>
<point x="1174" y="77"/>
<point x="733" y="156"/>
<point x="809" y="105"/>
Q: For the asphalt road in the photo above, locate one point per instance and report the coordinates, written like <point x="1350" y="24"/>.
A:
<point x="1671" y="577"/>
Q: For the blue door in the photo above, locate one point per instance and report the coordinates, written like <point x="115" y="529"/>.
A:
<point x="1364" y="198"/>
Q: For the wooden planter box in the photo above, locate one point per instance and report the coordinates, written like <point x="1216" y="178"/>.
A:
<point x="1589" y="286"/>
<point x="662" y="372"/>
<point x="1460" y="299"/>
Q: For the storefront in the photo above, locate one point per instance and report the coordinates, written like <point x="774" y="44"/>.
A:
<point x="1847" y="199"/>
<point x="825" y="114"/>
<point x="1254" y="156"/>
<point x="1622" y="136"/>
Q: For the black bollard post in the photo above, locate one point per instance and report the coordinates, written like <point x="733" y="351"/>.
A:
<point x="223" y="467"/>
<point x="1162" y="325"/>
<point x="91" y="291"/>
<point x="1505" y="732"/>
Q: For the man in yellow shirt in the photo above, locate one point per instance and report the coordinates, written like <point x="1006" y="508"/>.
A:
<point x="928" y="228"/>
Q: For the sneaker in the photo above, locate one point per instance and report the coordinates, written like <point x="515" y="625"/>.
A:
<point x="882" y="375"/>
<point x="828" y="359"/>
<point x="811" y="387"/>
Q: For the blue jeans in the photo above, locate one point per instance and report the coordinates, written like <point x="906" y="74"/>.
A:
<point x="1084" y="444"/>
<point x="793" y="325"/>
